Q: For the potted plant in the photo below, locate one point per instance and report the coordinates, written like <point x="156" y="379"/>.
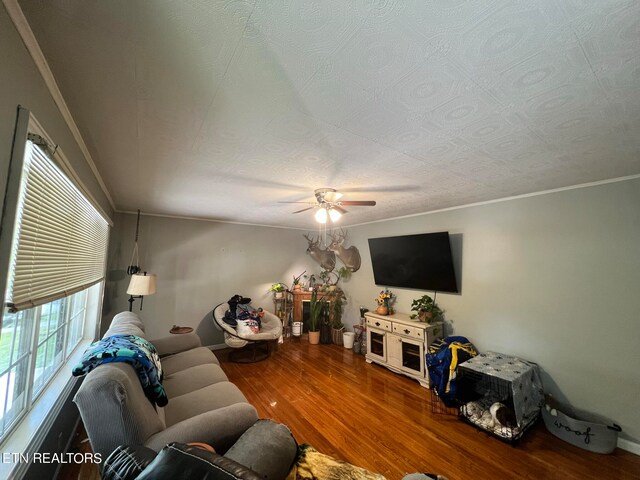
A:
<point x="325" y="277"/>
<point x="325" y="324"/>
<point x="278" y="289"/>
<point x="343" y="273"/>
<point x="337" y="327"/>
<point x="316" y="307"/>
<point x="384" y="302"/>
<point x="297" y="284"/>
<point x="427" y="310"/>
<point x="312" y="281"/>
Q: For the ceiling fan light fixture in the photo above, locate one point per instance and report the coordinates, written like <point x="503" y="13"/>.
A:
<point x="321" y="215"/>
<point x="334" y="214"/>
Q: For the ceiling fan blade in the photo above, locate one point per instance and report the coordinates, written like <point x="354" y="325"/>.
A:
<point x="387" y="188"/>
<point x="308" y="203"/>
<point x="339" y="209"/>
<point x="303" y="210"/>
<point x="359" y="203"/>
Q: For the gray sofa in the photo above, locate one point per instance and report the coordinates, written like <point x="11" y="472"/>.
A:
<point x="203" y="405"/>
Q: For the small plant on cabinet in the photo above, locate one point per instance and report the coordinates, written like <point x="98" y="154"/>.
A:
<point x="427" y="309"/>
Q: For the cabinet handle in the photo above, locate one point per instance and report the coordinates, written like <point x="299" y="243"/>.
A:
<point x="377" y="324"/>
<point x="407" y="331"/>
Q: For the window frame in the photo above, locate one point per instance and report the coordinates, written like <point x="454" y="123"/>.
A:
<point x="32" y="391"/>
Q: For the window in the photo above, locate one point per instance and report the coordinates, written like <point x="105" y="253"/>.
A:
<point x="53" y="245"/>
<point x="52" y="331"/>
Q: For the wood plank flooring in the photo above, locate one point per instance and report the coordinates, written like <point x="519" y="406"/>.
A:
<point x="366" y="415"/>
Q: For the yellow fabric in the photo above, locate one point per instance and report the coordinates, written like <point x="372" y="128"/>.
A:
<point x="455" y="346"/>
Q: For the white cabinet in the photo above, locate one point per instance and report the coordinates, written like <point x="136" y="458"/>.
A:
<point x="399" y="343"/>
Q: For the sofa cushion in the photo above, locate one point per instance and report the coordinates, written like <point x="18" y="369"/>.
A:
<point x="190" y="358"/>
<point x="193" y="378"/>
<point x="211" y="397"/>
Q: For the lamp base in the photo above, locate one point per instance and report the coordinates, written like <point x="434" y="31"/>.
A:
<point x="133" y="299"/>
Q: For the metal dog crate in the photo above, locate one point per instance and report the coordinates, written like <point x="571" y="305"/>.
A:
<point x="508" y="384"/>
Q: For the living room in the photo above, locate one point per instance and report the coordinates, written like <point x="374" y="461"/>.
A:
<point x="547" y="226"/>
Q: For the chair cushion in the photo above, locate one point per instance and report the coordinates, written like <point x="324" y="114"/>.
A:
<point x="190" y="358"/>
<point x="194" y="403"/>
<point x="193" y="378"/>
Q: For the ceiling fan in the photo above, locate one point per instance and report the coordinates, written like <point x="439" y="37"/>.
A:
<point x="330" y="206"/>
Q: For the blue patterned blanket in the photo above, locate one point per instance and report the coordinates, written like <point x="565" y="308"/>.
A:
<point x="137" y="352"/>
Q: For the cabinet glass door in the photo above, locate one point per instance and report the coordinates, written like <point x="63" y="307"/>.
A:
<point x="412" y="355"/>
<point x="376" y="343"/>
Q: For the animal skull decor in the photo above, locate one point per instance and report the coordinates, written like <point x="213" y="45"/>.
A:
<point x="327" y="257"/>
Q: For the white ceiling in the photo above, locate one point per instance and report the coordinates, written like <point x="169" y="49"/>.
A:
<point x="222" y="109"/>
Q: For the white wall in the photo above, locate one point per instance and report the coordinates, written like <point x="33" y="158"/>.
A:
<point x="553" y="278"/>
<point x="200" y="264"/>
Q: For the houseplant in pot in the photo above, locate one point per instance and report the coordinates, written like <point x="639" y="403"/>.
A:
<point x="427" y="309"/>
<point x="342" y="274"/>
<point x="325" y="325"/>
<point x="297" y="283"/>
<point x="316" y="308"/>
<point x="278" y="289"/>
<point x="337" y="327"/>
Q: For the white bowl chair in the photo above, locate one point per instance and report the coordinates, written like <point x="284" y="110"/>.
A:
<point x="257" y="345"/>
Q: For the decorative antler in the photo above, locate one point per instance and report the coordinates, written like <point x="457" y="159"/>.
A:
<point x="311" y="241"/>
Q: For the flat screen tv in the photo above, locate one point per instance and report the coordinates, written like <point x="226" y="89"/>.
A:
<point x="422" y="262"/>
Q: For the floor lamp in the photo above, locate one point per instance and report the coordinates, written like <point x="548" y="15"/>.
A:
<point x="139" y="286"/>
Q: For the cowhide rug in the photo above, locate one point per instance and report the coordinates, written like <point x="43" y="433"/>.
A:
<point x="313" y="465"/>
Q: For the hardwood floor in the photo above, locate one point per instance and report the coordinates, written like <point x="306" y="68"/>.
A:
<point x="366" y="415"/>
<point x="371" y="417"/>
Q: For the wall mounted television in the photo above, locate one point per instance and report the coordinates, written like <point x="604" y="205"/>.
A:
<point x="422" y="262"/>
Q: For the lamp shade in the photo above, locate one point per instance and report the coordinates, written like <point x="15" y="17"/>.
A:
<point x="321" y="215"/>
<point x="142" y="284"/>
<point x="334" y="215"/>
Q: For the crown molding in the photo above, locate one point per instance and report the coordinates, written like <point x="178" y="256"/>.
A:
<point x="505" y="199"/>
<point x="24" y="30"/>
<point x="205" y="219"/>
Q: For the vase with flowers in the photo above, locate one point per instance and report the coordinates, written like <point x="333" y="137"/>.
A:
<point x="383" y="300"/>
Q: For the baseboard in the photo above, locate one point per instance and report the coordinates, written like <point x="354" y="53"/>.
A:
<point x="217" y="347"/>
<point x="629" y="446"/>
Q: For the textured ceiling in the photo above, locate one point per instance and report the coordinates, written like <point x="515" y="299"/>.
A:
<point x="222" y="109"/>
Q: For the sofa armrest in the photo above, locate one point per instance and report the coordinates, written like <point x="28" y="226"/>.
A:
<point x="176" y="343"/>
<point x="219" y="428"/>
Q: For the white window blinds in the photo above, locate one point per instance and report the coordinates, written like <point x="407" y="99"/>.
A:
<point x="61" y="240"/>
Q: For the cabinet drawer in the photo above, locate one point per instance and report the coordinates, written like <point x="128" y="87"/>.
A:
<point x="408" y="331"/>
<point x="379" y="323"/>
